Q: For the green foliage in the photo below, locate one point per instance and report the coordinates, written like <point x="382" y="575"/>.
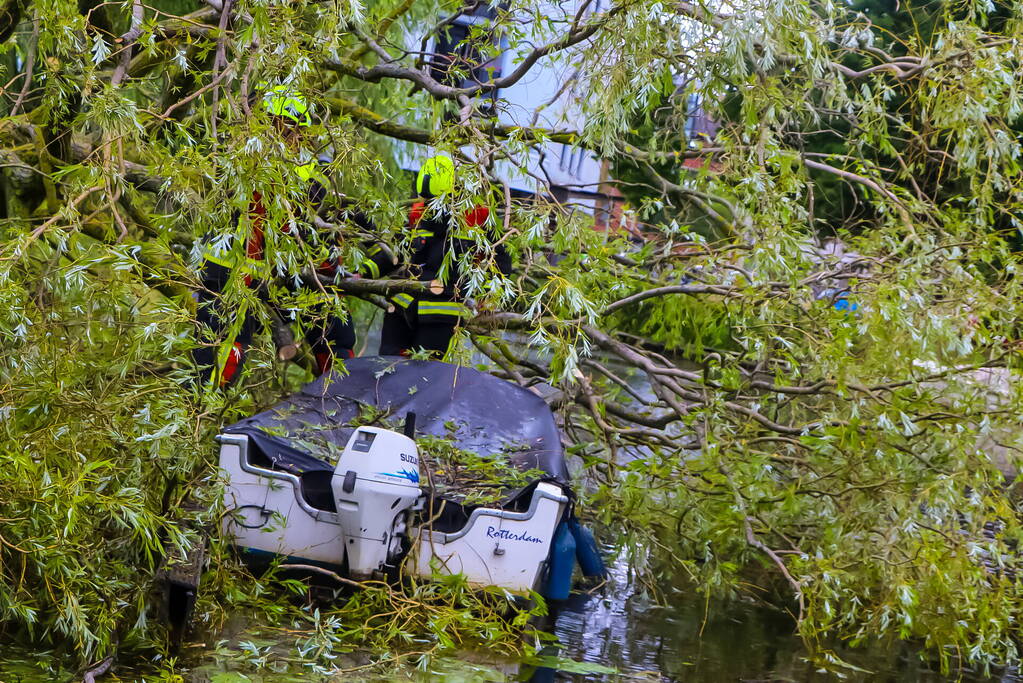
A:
<point x="470" y="478"/>
<point x="727" y="422"/>
<point x="407" y="623"/>
<point x="681" y="324"/>
<point x="93" y="441"/>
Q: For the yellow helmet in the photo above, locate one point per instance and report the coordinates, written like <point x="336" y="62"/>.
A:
<point x="283" y="101"/>
<point x="311" y="171"/>
<point x="436" y="176"/>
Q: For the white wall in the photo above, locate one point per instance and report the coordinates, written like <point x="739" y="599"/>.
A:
<point x="529" y="102"/>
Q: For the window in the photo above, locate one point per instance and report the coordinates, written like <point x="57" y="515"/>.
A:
<point x="571" y="160"/>
<point x="486" y="10"/>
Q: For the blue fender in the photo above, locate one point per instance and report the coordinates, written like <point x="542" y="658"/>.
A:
<point x="586" y="551"/>
<point x="562" y="563"/>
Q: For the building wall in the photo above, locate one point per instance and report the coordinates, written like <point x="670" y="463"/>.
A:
<point x="549" y="97"/>
<point x="543" y="97"/>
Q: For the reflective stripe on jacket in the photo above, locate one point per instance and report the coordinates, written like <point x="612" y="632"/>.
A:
<point x="441" y="310"/>
<point x="402" y="299"/>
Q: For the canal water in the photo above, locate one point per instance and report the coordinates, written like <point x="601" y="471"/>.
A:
<point x="690" y="639"/>
<point x="615" y="633"/>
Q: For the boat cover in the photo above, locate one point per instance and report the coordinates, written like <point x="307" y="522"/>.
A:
<point x="480" y="413"/>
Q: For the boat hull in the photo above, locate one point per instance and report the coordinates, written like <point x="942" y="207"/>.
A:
<point x="268" y="514"/>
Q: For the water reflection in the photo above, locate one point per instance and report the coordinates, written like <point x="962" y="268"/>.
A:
<point x="692" y="640"/>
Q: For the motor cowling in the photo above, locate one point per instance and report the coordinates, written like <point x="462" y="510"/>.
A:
<point x="375" y="484"/>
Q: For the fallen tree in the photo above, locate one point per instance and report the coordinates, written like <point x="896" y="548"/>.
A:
<point x="725" y="418"/>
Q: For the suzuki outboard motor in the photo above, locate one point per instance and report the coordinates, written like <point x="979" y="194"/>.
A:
<point x="375" y="484"/>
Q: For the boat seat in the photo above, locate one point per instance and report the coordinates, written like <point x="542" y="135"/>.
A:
<point x="273" y="453"/>
<point x="447" y="516"/>
<point x="317" y="491"/>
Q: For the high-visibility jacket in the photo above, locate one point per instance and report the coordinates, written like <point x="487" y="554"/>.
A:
<point x="431" y="244"/>
<point x="253" y="263"/>
<point x="375" y="259"/>
<point x="225" y="253"/>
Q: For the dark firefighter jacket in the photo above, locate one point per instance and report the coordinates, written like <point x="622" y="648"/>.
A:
<point x="220" y="263"/>
<point x="437" y="251"/>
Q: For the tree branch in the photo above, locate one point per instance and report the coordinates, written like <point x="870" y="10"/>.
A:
<point x="128" y="40"/>
<point x="368" y="118"/>
<point x="30" y="63"/>
<point x="384" y="26"/>
<point x="10" y="16"/>
<point x="421" y="78"/>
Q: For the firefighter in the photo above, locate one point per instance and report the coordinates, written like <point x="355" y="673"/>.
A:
<point x="428" y="320"/>
<point x="327" y="335"/>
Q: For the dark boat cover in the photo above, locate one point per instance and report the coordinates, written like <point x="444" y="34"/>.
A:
<point x="476" y="411"/>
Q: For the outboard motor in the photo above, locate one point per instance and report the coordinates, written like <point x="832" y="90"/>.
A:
<point x="375" y="484"/>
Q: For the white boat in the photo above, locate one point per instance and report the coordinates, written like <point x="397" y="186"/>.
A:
<point x="313" y="482"/>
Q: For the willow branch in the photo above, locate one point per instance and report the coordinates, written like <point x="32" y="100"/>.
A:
<point x="384" y="26"/>
<point x="421" y="78"/>
<point x="219" y="61"/>
<point x="128" y="39"/>
<point x="664" y="291"/>
<point x="320" y="570"/>
<point x="10" y="16"/>
<point x="30" y="63"/>
<point x="361" y="286"/>
<point x="373" y="121"/>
